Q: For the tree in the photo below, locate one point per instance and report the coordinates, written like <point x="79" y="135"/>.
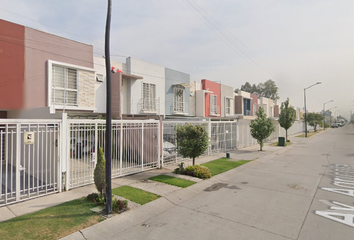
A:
<point x="314" y="119"/>
<point x="192" y="140"/>
<point x="267" y="89"/>
<point x="261" y="127"/>
<point x="287" y="117"/>
<point x="100" y="172"/>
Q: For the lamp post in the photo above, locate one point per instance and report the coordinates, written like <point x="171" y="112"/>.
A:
<point x="305" y="105"/>
<point x="324" y="113"/>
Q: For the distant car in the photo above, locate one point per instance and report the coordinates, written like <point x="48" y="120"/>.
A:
<point x="334" y="125"/>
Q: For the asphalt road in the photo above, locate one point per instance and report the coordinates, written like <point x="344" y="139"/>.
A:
<point x="304" y="191"/>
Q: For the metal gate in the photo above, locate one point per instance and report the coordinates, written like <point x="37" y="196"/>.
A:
<point x="135" y="148"/>
<point x="29" y="155"/>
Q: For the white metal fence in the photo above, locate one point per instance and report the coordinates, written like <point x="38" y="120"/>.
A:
<point x="135" y="148"/>
<point x="29" y="154"/>
<point x="222" y="136"/>
<point x="63" y="153"/>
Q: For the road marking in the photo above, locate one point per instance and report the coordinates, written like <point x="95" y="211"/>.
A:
<point x="339" y="212"/>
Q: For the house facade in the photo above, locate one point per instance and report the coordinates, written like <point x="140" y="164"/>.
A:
<point x="47" y="74"/>
<point x="208" y="99"/>
<point x="177" y="89"/>
<point x="246" y="104"/>
<point x="227" y="101"/>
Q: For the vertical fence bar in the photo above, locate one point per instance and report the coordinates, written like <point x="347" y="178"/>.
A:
<point x="18" y="159"/>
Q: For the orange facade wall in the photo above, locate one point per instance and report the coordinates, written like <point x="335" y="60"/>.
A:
<point x="216" y="89"/>
<point x="12" y="66"/>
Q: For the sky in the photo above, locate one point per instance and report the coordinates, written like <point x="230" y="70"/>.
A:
<point x="295" y="43"/>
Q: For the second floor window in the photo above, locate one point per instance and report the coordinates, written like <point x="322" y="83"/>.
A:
<point x="213" y="105"/>
<point x="178" y="99"/>
<point x="228" y="106"/>
<point x="149" y="97"/>
<point x="64" y="91"/>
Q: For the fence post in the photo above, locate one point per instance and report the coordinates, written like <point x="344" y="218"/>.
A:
<point x="159" y="146"/>
<point x="142" y="146"/>
<point x="121" y="149"/>
<point x="63" y="157"/>
<point x="209" y="135"/>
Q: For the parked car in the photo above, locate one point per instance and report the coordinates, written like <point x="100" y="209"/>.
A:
<point x="80" y="147"/>
<point x="169" y="149"/>
<point x="334" y="125"/>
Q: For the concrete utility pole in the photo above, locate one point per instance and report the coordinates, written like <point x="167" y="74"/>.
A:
<point x="108" y="149"/>
<point x="305" y="106"/>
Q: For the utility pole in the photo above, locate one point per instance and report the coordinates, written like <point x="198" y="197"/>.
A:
<point x="108" y="114"/>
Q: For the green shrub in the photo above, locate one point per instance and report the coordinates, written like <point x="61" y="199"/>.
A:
<point x="92" y="197"/>
<point x="197" y="171"/>
<point x="100" y="172"/>
<point x="119" y="206"/>
<point x="180" y="168"/>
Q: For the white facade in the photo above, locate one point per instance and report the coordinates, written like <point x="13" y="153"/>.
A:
<point x="152" y="74"/>
<point x="268" y="106"/>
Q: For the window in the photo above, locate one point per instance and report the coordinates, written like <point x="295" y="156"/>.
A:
<point x="178" y="99"/>
<point x="149" y="97"/>
<point x="64" y="88"/>
<point x="213" y="105"/>
<point x="228" y="106"/>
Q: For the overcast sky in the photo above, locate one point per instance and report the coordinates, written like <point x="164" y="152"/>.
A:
<point x="295" y="43"/>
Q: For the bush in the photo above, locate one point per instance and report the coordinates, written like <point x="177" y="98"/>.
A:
<point x="180" y="168"/>
<point x="92" y="197"/>
<point x="119" y="206"/>
<point x="197" y="171"/>
<point x="100" y="172"/>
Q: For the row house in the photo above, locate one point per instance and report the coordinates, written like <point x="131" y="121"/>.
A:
<point x="43" y="75"/>
<point x="246" y="104"/>
<point x="140" y="88"/>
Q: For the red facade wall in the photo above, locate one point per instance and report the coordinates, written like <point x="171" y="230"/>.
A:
<point x="254" y="99"/>
<point x="216" y="89"/>
<point x="12" y="65"/>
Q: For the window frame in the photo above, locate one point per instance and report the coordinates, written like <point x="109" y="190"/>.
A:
<point x="150" y="105"/>
<point x="178" y="101"/>
<point x="213" y="104"/>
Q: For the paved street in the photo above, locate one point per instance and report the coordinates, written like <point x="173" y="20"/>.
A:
<point x="303" y="191"/>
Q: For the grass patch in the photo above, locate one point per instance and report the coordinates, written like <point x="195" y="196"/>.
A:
<point x="222" y="165"/>
<point x="135" y="194"/>
<point x="277" y="144"/>
<point x="183" y="183"/>
<point x="51" y="223"/>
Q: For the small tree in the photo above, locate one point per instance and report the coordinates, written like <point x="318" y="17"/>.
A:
<point x="287" y="117"/>
<point x="192" y="140"/>
<point x="100" y="172"/>
<point x="314" y="119"/>
<point x="261" y="127"/>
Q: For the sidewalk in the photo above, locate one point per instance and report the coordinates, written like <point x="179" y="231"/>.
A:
<point x="137" y="180"/>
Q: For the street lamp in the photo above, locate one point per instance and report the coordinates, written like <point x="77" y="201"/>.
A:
<point x="305" y="105"/>
<point x="324" y="113"/>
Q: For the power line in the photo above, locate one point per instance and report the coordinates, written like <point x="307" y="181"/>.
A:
<point x="225" y="36"/>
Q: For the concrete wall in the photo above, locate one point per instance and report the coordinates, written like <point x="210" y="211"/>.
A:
<point x="216" y="89"/>
<point x="238" y="105"/>
<point x="173" y="77"/>
<point x="12" y="66"/>
<point x="200" y="103"/>
<point x="226" y="92"/>
<point x="254" y="104"/>
<point x="41" y="47"/>
<point x="151" y="73"/>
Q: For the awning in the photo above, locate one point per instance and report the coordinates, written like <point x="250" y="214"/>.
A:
<point x="186" y="85"/>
